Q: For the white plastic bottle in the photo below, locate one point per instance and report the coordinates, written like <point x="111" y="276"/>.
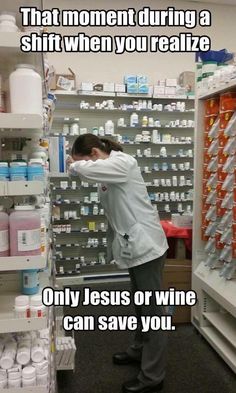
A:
<point x="28" y="376"/>
<point x="109" y="127"/>
<point x="37" y="308"/>
<point x="8" y="23"/>
<point x="4" y="233"/>
<point x="25" y="90"/>
<point x="134" y="120"/>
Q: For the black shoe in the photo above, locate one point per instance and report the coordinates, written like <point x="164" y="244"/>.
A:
<point x="136" y="386"/>
<point x="123" y="358"/>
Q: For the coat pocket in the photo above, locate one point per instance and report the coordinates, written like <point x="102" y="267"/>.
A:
<point x="139" y="242"/>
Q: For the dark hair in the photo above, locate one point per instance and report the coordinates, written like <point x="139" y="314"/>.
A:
<point x="84" y="143"/>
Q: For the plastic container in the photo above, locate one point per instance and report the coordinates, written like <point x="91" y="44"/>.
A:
<point x="37" y="351"/>
<point x="109" y="127"/>
<point x="42" y="379"/>
<point x="25" y="231"/>
<point x="27" y="81"/>
<point x="35" y="170"/>
<point x="8" y="356"/>
<point x="3" y="381"/>
<point x="30" y="282"/>
<point x="134" y="120"/>
<point x="22" y="309"/>
<point x="23" y="353"/>
<point x="4" y="233"/>
<point x="37" y="308"/>
<point x="4" y="171"/>
<point x="14" y="383"/>
<point x="8" y="23"/>
<point x="18" y="171"/>
<point x="28" y="376"/>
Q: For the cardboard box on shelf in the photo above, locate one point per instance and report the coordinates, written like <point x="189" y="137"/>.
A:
<point x="120" y="88"/>
<point x="171" y="82"/>
<point x="87" y="86"/>
<point x="182" y="220"/>
<point x="177" y="274"/>
<point x="159" y="90"/>
<point x="170" y="91"/>
<point x="132" y="88"/>
<point x="109" y="87"/>
<point x="143" y="88"/>
<point x="64" y="81"/>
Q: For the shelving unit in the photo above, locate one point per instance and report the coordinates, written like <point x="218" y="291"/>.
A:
<point x="15" y="129"/>
<point x="20" y="188"/>
<point x="21" y="263"/>
<point x="215" y="313"/>
<point x="68" y="111"/>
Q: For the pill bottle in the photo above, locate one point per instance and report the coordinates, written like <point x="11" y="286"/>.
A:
<point x="37" y="308"/>
<point x="18" y="171"/>
<point x="109" y="127"/>
<point x="37" y="351"/>
<point x="134" y="120"/>
<point x="3" y="380"/>
<point x="25" y="231"/>
<point x="42" y="379"/>
<point x="22" y="307"/>
<point x="8" y="355"/>
<point x="25" y="79"/>
<point x="29" y="282"/>
<point x="35" y="170"/>
<point x="8" y="23"/>
<point x="4" y="171"/>
<point x="28" y="376"/>
<point x="4" y="233"/>
<point x="14" y="379"/>
<point x="23" y="353"/>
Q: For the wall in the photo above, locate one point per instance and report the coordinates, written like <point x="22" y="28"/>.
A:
<point x="111" y="67"/>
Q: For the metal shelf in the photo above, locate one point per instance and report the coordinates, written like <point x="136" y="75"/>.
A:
<point x="224" y="323"/>
<point x="57" y="174"/>
<point x="218" y="90"/>
<point x="17" y="188"/>
<point x="217" y="287"/>
<point x="140" y="127"/>
<point x="10" y="324"/>
<point x="122" y="95"/>
<point x="221" y="345"/>
<point x="27" y="389"/>
<point x="128" y="111"/>
<point x="21" y="263"/>
<point x="33" y="123"/>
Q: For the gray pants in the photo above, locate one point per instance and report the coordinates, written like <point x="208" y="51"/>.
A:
<point x="150" y="347"/>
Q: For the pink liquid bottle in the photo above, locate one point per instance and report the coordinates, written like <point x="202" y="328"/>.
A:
<point x="25" y="231"/>
<point x="4" y="233"/>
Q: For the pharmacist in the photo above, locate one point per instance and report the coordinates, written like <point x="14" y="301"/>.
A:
<point x="139" y="244"/>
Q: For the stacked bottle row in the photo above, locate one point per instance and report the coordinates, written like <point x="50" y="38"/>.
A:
<point x="219" y="196"/>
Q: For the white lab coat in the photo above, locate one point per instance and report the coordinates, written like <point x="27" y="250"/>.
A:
<point x="129" y="211"/>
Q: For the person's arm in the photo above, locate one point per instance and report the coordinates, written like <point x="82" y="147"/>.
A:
<point x="111" y="170"/>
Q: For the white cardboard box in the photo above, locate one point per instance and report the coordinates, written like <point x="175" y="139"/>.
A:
<point x="169" y="91"/>
<point x="182" y="220"/>
<point x="171" y="82"/>
<point x="120" y="88"/>
<point x="109" y="87"/>
<point x="86" y="86"/>
<point x="159" y="90"/>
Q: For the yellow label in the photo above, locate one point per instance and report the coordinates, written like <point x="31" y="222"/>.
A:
<point x="92" y="225"/>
